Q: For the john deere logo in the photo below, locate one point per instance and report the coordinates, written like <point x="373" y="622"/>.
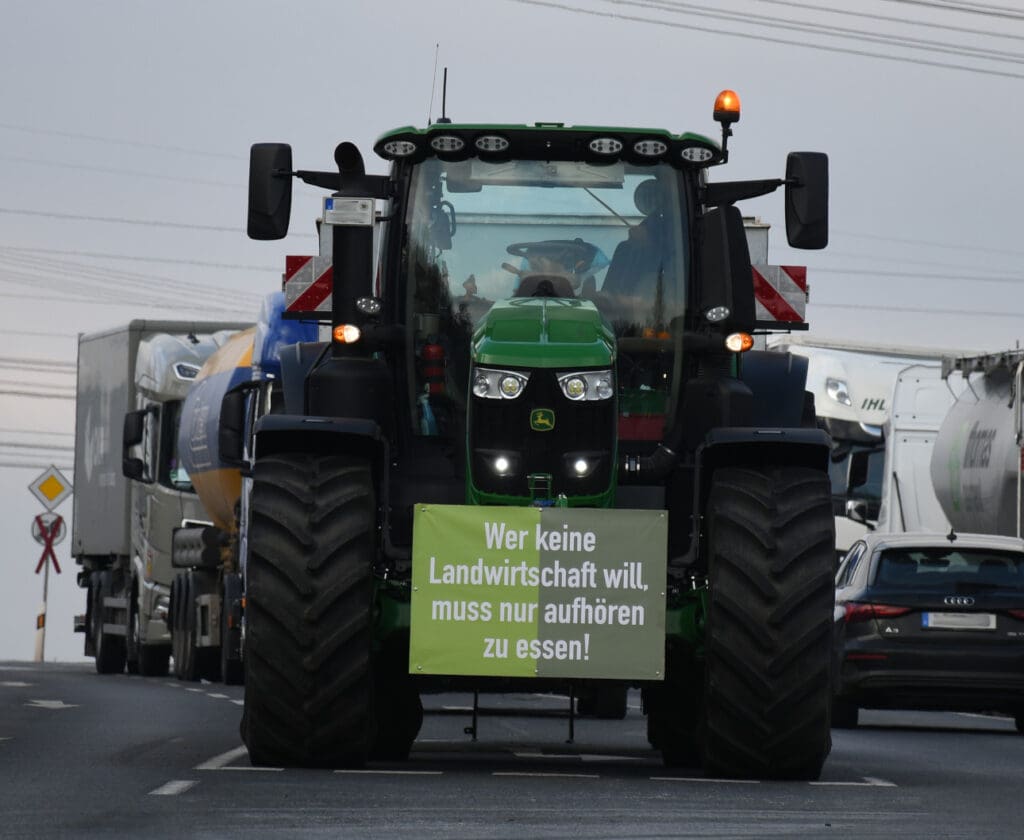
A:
<point x="542" y="420"/>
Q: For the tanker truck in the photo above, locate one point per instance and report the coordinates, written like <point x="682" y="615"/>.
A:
<point x="537" y="450"/>
<point x="977" y="462"/>
<point x="130" y="487"/>
<point x="854" y="385"/>
<point x="240" y="381"/>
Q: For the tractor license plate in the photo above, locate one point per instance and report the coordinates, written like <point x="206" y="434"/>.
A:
<point x="958" y="621"/>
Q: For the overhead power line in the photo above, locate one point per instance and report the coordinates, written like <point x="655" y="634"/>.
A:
<point x="133" y="173"/>
<point x="762" y="38"/>
<point x="917" y="310"/>
<point x="137" y="258"/>
<point x="146" y="222"/>
<point x="119" y="141"/>
<point x="866" y="36"/>
<point x="967" y="8"/>
<point x="923" y="24"/>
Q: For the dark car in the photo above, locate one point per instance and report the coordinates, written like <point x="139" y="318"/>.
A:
<point x="927" y="621"/>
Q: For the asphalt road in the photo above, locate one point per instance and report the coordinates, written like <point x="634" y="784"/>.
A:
<point x="88" y="756"/>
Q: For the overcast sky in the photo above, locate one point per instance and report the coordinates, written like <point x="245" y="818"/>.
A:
<point x="125" y="128"/>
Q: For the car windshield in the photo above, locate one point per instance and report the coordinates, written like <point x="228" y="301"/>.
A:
<point x="959" y="569"/>
<point x="482" y="231"/>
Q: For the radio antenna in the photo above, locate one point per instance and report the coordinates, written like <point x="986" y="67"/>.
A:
<point x="433" y="84"/>
<point x="444" y="98"/>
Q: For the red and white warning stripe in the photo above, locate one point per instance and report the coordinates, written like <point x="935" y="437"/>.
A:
<point x="780" y="292"/>
<point x="307" y="284"/>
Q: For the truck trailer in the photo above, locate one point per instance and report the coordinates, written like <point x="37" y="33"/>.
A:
<point x="239" y="382"/>
<point x="854" y="387"/>
<point x="977" y="464"/>
<point x="131" y="490"/>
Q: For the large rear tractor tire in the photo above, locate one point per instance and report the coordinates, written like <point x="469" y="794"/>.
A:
<point x="110" y="649"/>
<point x="309" y="591"/>
<point x="769" y="627"/>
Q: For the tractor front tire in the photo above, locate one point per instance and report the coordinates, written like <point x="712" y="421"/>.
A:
<point x="767" y="690"/>
<point x="309" y="590"/>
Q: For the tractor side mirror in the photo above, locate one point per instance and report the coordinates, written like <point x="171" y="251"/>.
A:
<point x="725" y="280"/>
<point x="807" y="200"/>
<point x="270" y="190"/>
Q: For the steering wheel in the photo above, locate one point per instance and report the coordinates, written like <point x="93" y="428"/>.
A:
<point x="574" y="254"/>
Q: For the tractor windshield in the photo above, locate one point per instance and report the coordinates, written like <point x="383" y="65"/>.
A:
<point x="478" y="232"/>
<point x="483" y="231"/>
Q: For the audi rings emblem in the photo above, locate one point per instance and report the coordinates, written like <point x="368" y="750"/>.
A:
<point x="958" y="600"/>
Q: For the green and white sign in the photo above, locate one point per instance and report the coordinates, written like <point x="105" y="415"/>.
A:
<point x="538" y="592"/>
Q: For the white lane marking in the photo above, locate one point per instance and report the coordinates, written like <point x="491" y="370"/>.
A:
<point x="869" y="781"/>
<point x="457" y="708"/>
<point x="581" y="756"/>
<point x="704" y="779"/>
<point x="222" y="760"/>
<point x="196" y="690"/>
<point x="238" y="702"/>
<point x="173" y="684"/>
<point x="392" y="772"/>
<point x="13" y="684"/>
<point x="5" y="738"/>
<point x="173" y="788"/>
<point x="51" y="704"/>
<point x="546" y="775"/>
<point x="219" y="696"/>
<point x="255" y="769"/>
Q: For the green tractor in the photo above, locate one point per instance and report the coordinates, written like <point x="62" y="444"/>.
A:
<point x="548" y="316"/>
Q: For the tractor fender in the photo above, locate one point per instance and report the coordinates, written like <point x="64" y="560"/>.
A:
<point x="778" y="383"/>
<point x="751" y="447"/>
<point x="322" y="435"/>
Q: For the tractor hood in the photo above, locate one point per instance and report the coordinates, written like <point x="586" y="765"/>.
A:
<point x="544" y="332"/>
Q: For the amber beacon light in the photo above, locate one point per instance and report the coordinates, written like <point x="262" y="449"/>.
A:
<point x="727" y="107"/>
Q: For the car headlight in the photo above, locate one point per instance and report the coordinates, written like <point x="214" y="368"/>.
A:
<point x="587" y="385"/>
<point x="492" y="384"/>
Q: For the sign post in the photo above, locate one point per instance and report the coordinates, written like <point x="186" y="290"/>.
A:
<point x="48" y="529"/>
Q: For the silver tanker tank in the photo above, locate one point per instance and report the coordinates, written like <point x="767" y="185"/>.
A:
<point x="976" y="464"/>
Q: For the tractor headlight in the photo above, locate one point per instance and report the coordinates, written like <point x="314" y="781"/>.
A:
<point x="491" y="384"/>
<point x="587" y="385"/>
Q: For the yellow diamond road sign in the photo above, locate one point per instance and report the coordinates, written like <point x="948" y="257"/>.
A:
<point x="51" y="488"/>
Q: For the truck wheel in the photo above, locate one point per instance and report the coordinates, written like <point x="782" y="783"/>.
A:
<point x="182" y="646"/>
<point x="767" y="687"/>
<point x="604" y="702"/>
<point x="154" y="660"/>
<point x="132" y="642"/>
<point x="844" y="714"/>
<point x="309" y="592"/>
<point x="110" y="649"/>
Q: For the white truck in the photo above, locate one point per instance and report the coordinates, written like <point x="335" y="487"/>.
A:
<point x="130" y="490"/>
<point x="854" y="386"/>
<point x="977" y="463"/>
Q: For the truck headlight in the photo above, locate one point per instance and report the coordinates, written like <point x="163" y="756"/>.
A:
<point x="587" y="385"/>
<point x="494" y="384"/>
